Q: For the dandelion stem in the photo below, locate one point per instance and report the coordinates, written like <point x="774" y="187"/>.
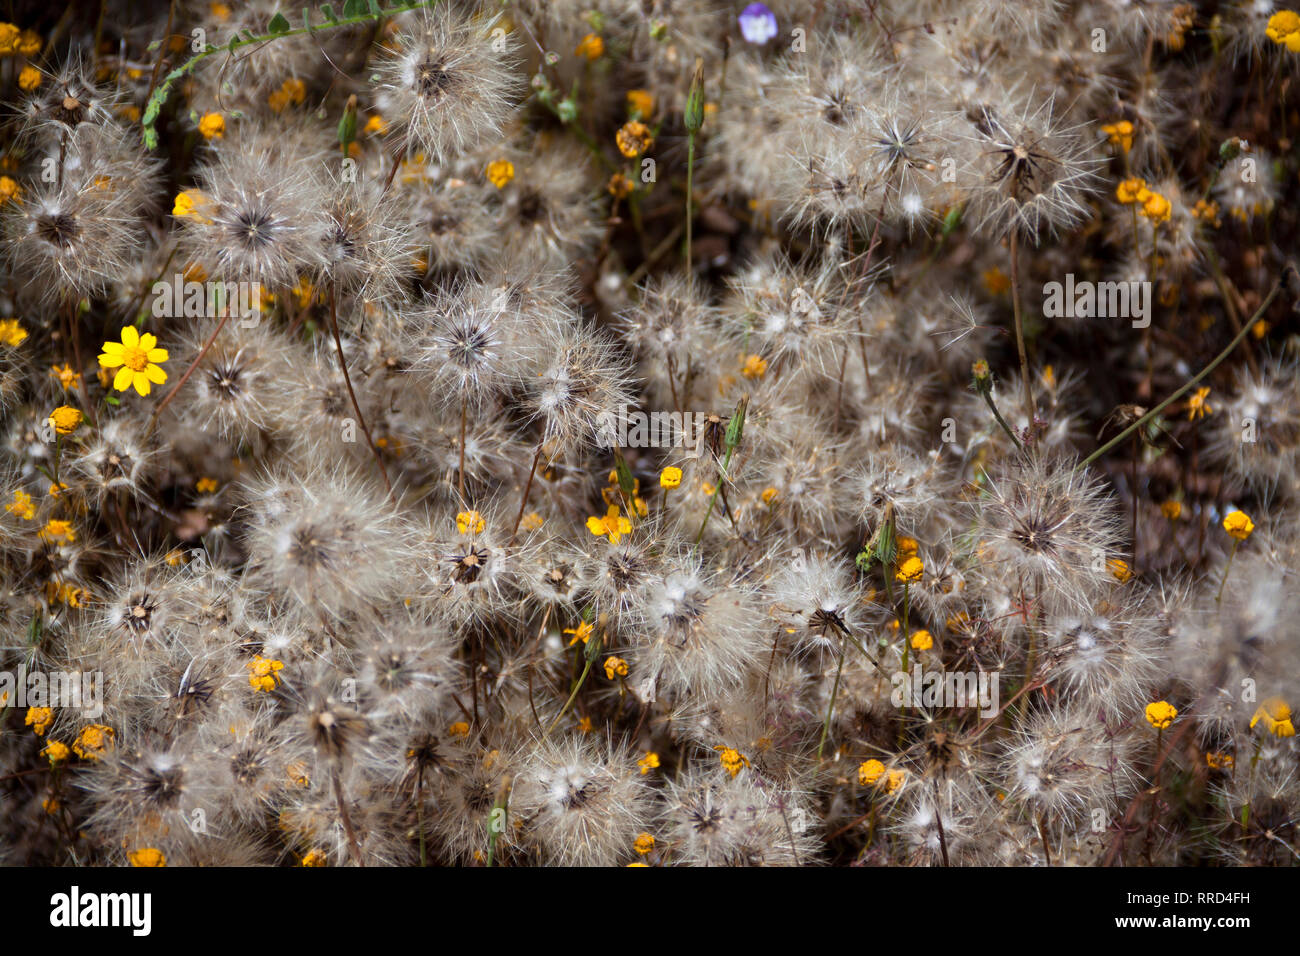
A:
<point x="1141" y="422"/>
<point x="528" y="486"/>
<point x="354" y="848"/>
<point x="830" y="708"/>
<point x="347" y="380"/>
<point x="460" y="473"/>
<point x="1226" y="567"/>
<point x="1020" y="329"/>
<point x="153" y="419"/>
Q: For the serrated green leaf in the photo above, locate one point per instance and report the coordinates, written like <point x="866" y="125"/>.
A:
<point x="278" y="25"/>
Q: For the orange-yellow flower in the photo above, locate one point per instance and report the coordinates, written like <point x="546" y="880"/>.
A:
<point x="137" y="359"/>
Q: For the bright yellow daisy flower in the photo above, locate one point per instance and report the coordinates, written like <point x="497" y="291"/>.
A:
<point x="137" y="360"/>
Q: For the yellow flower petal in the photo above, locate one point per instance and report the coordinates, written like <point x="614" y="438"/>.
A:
<point x="155" y="374"/>
<point x="148" y="340"/>
<point x="156" y="355"/>
<point x="111" y="361"/>
<point x="141" y="383"/>
<point x="114" y="348"/>
<point x="122" y="381"/>
<point x="130" y="337"/>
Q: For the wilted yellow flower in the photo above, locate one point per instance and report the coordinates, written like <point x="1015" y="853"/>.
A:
<point x="264" y="673"/>
<point x="910" y="571"/>
<point x="1131" y="191"/>
<point x="65" y="419"/>
<point x="1156" y="208"/>
<point x="670" y="477"/>
<point x="870" y="771"/>
<point x="1160" y="714"/>
<point x="1218" y="761"/>
<point x="68" y="378"/>
<point x="470" y="522"/>
<point x="459" y="729"/>
<point x="9" y="189"/>
<point x="733" y="761"/>
<point x="1197" y="406"/>
<point x="615" y="667"/>
<point x="634" y="138"/>
<point x="619" y="186"/>
<point x="205" y="486"/>
<point x="1238" y="525"/>
<point x="29" y="78"/>
<point x="93" y="740"/>
<point x="649" y="762"/>
<point x="895" y="780"/>
<point x="56" y="752"/>
<point x="922" y="641"/>
<point x="1276" y="716"/>
<point x="644" y="843"/>
<point x="500" y="172"/>
<point x="58" y="530"/>
<point x="39" y="719"/>
<point x="1171" y="509"/>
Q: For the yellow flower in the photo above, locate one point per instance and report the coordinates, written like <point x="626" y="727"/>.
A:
<point x="769" y="495"/>
<point x="634" y="138"/>
<point x="582" y="632"/>
<point x="29" y="78"/>
<point x="69" y="594"/>
<point x="910" y="571"/>
<point x="12" y="332"/>
<point x="644" y="843"/>
<point x="1131" y="191"/>
<point x="584" y="725"/>
<point x="459" y="729"/>
<point x="8" y="38"/>
<point x="21" y="505"/>
<point x="591" y="47"/>
<point x="213" y="126"/>
<point x="922" y="641"/>
<point x="1284" y="29"/>
<point x="56" y="752"/>
<point x="56" y="529"/>
<point x="375" y="124"/>
<point x="1172" y="510"/>
<point x="68" y="379"/>
<point x="1119" y="569"/>
<point x="291" y="91"/>
<point x="205" y="485"/>
<point x="870" y="771"/>
<point x="640" y="103"/>
<point x="93" y="740"/>
<point x="619" y="186"/>
<point x="1238" y="525"/>
<point x="995" y="281"/>
<point x="470" y="522"/>
<point x="313" y="858"/>
<point x="9" y="189"/>
<point x="191" y="202"/>
<point x="670" y="477"/>
<point x="137" y="360"/>
<point x="532" y="521"/>
<point x="649" y="762"/>
<point x="65" y="419"/>
<point x="500" y="172"/>
<point x="896" y="778"/>
<point x="1161" y="714"/>
<point x="755" y="367"/>
<point x="1216" y="761"/>
<point x="1276" y="716"/>
<point x="615" y="667"/>
<point x="1197" y="406"/>
<point x="1207" y="212"/>
<point x="1156" y="208"/>
<point x="1120" y="134"/>
<point x="612" y="525"/>
<point x="29" y="43"/>
<point x="733" y="761"/>
<point x="264" y="673"/>
<point x="148" y="856"/>
<point x="39" y="719"/>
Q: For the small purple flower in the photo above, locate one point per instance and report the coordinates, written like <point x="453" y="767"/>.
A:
<point x="757" y="24"/>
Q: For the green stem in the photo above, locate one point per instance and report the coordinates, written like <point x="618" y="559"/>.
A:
<point x="830" y="708"/>
<point x="1141" y="422"/>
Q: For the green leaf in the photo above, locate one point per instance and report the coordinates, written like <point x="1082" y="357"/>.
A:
<point x="327" y="11"/>
<point x="278" y="25"/>
<point x="306" y="19"/>
<point x="111" y="400"/>
<point x="354" y="8"/>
